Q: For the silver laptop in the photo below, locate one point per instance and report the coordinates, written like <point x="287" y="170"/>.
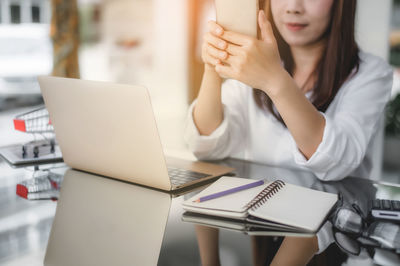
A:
<point x="110" y="129"/>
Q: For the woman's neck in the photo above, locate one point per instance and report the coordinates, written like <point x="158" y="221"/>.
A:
<point x="305" y="60"/>
<point x="306" y="57"/>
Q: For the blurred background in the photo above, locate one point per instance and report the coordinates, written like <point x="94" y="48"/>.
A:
<point x="154" y="43"/>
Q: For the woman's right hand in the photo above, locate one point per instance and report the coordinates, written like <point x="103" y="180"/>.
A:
<point x="213" y="47"/>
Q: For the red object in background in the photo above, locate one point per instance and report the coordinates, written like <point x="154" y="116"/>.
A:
<point x="45" y="186"/>
<point x="22" y="191"/>
<point x="19" y="125"/>
<point x="35" y="121"/>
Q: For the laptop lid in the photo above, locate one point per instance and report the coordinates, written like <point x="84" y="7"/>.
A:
<point x="107" y="129"/>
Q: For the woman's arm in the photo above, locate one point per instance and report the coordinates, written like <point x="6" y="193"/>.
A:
<point x="208" y="112"/>
<point x="216" y="123"/>
<point x="296" y="251"/>
<point x="303" y="120"/>
<point x="208" y="242"/>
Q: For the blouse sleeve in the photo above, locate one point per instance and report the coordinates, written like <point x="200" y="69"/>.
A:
<point x="348" y="130"/>
<point x="227" y="139"/>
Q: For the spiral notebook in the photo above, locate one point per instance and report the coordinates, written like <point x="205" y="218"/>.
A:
<point x="276" y="204"/>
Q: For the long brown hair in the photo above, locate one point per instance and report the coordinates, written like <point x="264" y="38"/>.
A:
<point x="336" y="64"/>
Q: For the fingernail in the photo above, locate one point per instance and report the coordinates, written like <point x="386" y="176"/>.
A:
<point x="222" y="45"/>
<point x="218" y="31"/>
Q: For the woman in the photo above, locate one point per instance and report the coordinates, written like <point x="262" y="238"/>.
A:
<point x="303" y="96"/>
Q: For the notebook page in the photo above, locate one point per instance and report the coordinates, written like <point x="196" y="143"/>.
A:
<point x="297" y="206"/>
<point x="231" y="205"/>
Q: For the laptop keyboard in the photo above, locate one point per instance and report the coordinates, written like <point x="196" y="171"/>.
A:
<point x="181" y="176"/>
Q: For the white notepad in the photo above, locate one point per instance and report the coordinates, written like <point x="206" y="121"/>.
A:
<point x="299" y="208"/>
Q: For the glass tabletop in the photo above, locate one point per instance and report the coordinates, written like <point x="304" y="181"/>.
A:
<point x="103" y="221"/>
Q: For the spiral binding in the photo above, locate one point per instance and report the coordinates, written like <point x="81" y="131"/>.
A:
<point x="264" y="195"/>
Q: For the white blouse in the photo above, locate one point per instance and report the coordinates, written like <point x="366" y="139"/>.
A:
<point x="352" y="120"/>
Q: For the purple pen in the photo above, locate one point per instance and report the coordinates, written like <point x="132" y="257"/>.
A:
<point x="230" y="191"/>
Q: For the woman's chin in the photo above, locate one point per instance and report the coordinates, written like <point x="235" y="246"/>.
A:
<point x="299" y="41"/>
<point x="296" y="41"/>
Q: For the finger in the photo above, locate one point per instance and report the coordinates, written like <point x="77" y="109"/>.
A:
<point x="225" y="71"/>
<point x="211" y="60"/>
<point x="215" y="28"/>
<point x="237" y="38"/>
<point x="267" y="33"/>
<point x="217" y="53"/>
<point x="215" y="41"/>
<point x="230" y="60"/>
<point x="234" y="49"/>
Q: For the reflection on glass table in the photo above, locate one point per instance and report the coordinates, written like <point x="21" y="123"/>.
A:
<point x="100" y="221"/>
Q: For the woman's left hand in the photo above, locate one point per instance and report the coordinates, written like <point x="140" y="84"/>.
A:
<point x="254" y="62"/>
